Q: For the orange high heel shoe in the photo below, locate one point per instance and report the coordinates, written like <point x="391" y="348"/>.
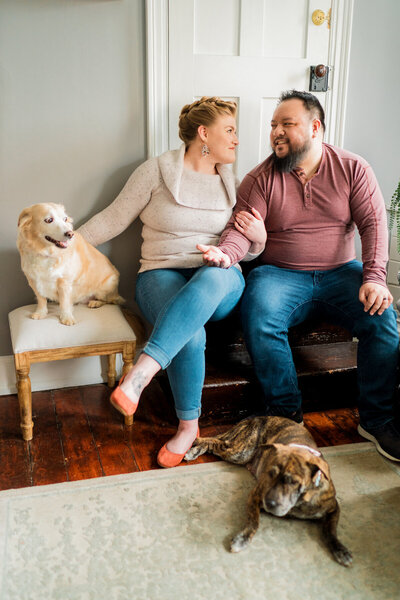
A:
<point x="121" y="402"/>
<point x="168" y="459"/>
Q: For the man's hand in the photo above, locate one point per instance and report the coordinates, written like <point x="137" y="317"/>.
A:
<point x="214" y="257"/>
<point x="253" y="227"/>
<point x="375" y="297"/>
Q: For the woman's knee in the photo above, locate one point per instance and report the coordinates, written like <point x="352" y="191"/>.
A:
<point x="222" y="281"/>
<point x="167" y="282"/>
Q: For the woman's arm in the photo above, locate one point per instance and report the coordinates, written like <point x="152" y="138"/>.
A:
<point x="127" y="206"/>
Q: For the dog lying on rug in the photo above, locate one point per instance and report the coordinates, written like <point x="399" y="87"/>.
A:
<point x="293" y="479"/>
<point x="60" y="265"/>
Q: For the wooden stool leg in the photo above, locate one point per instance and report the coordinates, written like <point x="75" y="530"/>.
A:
<point x="22" y="368"/>
<point x="128" y="354"/>
<point x="112" y="372"/>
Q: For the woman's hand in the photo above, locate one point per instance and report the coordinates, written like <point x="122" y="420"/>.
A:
<point x="214" y="257"/>
<point x="253" y="227"/>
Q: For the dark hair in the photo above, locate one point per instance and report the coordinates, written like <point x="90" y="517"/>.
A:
<point x="310" y="102"/>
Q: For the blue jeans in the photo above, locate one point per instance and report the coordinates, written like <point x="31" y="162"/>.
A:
<point x="179" y="302"/>
<point x="276" y="299"/>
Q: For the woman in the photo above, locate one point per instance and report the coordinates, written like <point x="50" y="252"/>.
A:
<point x="184" y="199"/>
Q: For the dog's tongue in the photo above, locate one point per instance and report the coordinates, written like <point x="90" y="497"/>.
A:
<point x="61" y="244"/>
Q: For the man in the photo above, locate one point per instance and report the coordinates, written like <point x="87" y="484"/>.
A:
<point x="311" y="196"/>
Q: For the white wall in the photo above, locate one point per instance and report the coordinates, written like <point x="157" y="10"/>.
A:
<point x="372" y="116"/>
<point x="72" y="121"/>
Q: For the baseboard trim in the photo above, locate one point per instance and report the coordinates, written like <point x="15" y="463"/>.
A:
<point x="57" y="374"/>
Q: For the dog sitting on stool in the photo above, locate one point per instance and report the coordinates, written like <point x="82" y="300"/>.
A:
<point x="60" y="265"/>
<point x="293" y="479"/>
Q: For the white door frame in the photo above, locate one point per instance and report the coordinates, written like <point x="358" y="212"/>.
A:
<point x="157" y="73"/>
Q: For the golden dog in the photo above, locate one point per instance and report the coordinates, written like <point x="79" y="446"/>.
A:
<point x="60" y="265"/>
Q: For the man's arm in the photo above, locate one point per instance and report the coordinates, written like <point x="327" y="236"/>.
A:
<point x="252" y="226"/>
<point x="369" y="214"/>
<point x="233" y="242"/>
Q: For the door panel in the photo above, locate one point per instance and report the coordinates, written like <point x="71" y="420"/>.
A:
<point x="248" y="50"/>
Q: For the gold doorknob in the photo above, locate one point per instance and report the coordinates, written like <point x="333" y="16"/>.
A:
<point x="319" y="17"/>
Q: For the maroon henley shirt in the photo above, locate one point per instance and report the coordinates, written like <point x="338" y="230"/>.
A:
<point x="311" y="224"/>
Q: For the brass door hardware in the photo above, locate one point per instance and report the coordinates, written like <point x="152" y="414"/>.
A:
<point x="319" y="17"/>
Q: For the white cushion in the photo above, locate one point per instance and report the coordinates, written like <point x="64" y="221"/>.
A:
<point x="93" y="326"/>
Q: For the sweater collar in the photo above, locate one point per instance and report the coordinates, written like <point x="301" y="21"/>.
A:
<point x="171" y="167"/>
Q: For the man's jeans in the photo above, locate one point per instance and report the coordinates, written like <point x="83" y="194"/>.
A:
<point x="178" y="302"/>
<point x="276" y="299"/>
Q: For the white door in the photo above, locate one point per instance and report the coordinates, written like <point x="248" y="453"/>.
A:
<point x="245" y="50"/>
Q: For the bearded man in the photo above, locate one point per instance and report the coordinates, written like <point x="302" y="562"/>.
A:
<point x="311" y="196"/>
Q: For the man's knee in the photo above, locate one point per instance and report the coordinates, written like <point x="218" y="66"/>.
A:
<point x="382" y="327"/>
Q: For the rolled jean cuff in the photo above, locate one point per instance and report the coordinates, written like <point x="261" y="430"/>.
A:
<point x="188" y="415"/>
<point x="158" y="354"/>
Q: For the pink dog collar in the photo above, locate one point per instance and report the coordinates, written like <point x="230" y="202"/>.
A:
<point x="312" y="450"/>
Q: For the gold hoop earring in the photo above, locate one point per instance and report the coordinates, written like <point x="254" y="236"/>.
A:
<point x="205" y="151"/>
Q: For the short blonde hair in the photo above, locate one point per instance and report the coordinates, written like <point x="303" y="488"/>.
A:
<point x="202" y="112"/>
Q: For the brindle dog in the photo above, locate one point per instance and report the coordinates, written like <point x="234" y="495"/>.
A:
<point x="292" y="476"/>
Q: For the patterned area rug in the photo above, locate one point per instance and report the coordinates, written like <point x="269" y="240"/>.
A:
<point x="163" y="535"/>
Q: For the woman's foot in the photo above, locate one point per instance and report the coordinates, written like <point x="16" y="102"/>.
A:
<point x="172" y="453"/>
<point x="126" y="395"/>
<point x="183" y="439"/>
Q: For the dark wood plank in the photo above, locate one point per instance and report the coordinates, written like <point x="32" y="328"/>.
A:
<point x="110" y="437"/>
<point x="326" y="432"/>
<point x="15" y="470"/>
<point x="346" y="420"/>
<point x="46" y="451"/>
<point x="80" y="453"/>
<point x="325" y="358"/>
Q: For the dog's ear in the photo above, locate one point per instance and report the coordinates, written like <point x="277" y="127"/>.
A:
<point x="25" y="218"/>
<point x="318" y="471"/>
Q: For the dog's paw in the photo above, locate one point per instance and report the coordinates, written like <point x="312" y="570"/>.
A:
<point x="117" y="300"/>
<point x="67" y="320"/>
<point x="343" y="556"/>
<point x="38" y="315"/>
<point x="239" y="542"/>
<point x="95" y="303"/>
<point x="193" y="453"/>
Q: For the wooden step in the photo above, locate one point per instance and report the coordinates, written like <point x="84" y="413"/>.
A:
<point x="325" y="358"/>
<point x="324" y="355"/>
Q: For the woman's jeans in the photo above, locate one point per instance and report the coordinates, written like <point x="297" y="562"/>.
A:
<point x="276" y="299"/>
<point x="178" y="302"/>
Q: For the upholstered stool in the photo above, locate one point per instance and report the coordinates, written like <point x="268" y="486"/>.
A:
<point x="98" y="331"/>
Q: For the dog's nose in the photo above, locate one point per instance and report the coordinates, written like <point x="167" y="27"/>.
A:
<point x="69" y="234"/>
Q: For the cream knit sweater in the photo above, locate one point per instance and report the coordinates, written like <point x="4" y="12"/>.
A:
<point x="178" y="208"/>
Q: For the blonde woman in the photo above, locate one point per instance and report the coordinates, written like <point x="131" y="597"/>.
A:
<point x="184" y="199"/>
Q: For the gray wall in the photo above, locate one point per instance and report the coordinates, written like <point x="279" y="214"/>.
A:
<point x="72" y="121"/>
<point x="373" y="124"/>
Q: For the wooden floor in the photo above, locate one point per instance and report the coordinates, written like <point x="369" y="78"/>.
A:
<point x="78" y="435"/>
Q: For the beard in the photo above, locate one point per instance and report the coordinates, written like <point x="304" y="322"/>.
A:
<point x="292" y="159"/>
